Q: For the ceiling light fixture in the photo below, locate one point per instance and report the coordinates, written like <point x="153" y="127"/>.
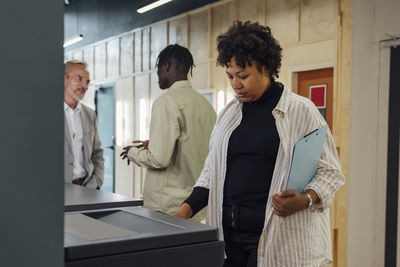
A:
<point x="73" y="40"/>
<point x="152" y="5"/>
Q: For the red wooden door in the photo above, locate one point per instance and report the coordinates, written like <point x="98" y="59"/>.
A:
<point x="318" y="86"/>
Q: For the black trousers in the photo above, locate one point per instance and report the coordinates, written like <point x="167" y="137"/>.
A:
<point x="242" y="228"/>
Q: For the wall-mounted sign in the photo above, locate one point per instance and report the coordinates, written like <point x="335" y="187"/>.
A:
<point x="317" y="94"/>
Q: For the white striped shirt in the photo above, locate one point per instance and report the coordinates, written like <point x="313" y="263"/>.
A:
<point x="302" y="239"/>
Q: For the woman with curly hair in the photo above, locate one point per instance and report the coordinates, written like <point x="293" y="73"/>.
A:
<point x="244" y="176"/>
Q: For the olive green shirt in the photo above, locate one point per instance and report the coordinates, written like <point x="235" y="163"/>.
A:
<point x="180" y="128"/>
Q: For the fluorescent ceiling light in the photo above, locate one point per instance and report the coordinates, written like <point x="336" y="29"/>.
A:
<point x="152" y="5"/>
<point x="73" y="40"/>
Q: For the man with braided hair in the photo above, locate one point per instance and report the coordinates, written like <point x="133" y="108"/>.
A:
<point x="180" y="129"/>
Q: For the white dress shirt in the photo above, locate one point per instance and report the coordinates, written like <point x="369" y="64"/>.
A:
<point x="73" y="117"/>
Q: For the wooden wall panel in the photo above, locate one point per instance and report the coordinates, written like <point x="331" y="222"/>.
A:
<point x="78" y="55"/>
<point x="158" y="41"/>
<point x="218" y="77"/>
<point x="138" y="52"/>
<point x="124" y="134"/>
<point x="100" y="59"/>
<point x="198" y="36"/>
<point x="88" y="100"/>
<point x="146" y="49"/>
<point x="113" y="58"/>
<point x="222" y="18"/>
<point x="88" y="57"/>
<point x="178" y="31"/>
<point x="310" y="55"/>
<point x="127" y="55"/>
<point x="318" y="20"/>
<point x="200" y="76"/>
<point x="252" y="10"/>
<point x="141" y="92"/>
<point x="155" y="90"/>
<point x="283" y="19"/>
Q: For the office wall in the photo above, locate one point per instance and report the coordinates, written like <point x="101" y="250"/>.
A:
<point x="313" y="34"/>
<point x="31" y="157"/>
<point x="369" y="123"/>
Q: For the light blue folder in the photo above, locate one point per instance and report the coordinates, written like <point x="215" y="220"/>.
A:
<point x="305" y="159"/>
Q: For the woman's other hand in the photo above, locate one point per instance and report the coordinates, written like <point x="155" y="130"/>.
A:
<point x="287" y="202"/>
<point x="185" y="211"/>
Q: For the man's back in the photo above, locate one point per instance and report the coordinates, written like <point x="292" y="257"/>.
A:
<point x="181" y="125"/>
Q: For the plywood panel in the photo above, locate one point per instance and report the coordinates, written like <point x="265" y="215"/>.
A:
<point x="222" y="18"/>
<point x="124" y="118"/>
<point x="113" y="58"/>
<point x="155" y="90"/>
<point x="318" y="19"/>
<point x="158" y="42"/>
<point x="251" y="10"/>
<point x="100" y="62"/>
<point x="200" y="76"/>
<point x="178" y="31"/>
<point x="282" y="18"/>
<point x="218" y="77"/>
<point x="306" y="55"/>
<point x="198" y="36"/>
<point x="77" y="55"/>
<point x="127" y="55"/>
<point x="142" y="92"/>
<point x="141" y="123"/>
<point x="88" y="57"/>
<point x="88" y="100"/>
<point x="138" y="52"/>
<point x="146" y="49"/>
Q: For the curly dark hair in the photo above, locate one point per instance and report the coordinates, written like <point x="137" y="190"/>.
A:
<point x="249" y="42"/>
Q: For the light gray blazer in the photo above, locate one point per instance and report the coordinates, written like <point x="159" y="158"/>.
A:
<point x="93" y="153"/>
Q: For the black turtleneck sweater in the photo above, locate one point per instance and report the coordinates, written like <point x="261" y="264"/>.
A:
<point x="252" y="150"/>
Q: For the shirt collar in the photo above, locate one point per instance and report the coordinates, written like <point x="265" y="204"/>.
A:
<point x="284" y="102"/>
<point x="77" y="108"/>
<point x="180" y="84"/>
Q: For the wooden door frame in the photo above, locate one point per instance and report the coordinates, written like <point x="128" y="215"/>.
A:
<point x="293" y="74"/>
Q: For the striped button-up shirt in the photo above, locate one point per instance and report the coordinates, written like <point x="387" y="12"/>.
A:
<point x="302" y="239"/>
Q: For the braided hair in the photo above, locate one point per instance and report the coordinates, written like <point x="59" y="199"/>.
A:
<point x="249" y="42"/>
<point x="178" y="55"/>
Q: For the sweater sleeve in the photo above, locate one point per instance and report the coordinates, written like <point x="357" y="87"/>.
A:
<point x="198" y="199"/>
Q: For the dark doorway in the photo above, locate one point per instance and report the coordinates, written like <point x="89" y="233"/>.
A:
<point x="392" y="186"/>
<point x="105" y="109"/>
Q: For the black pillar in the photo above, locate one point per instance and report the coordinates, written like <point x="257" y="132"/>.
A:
<point x="392" y="190"/>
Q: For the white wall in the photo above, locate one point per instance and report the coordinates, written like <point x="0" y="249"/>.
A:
<point x="368" y="134"/>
